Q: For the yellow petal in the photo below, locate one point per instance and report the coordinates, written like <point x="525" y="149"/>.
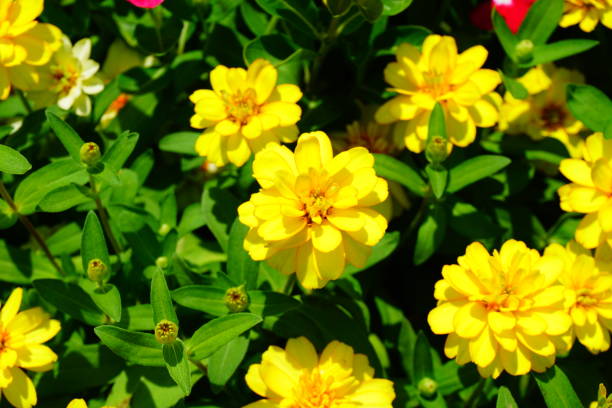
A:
<point x="35" y="355"/>
<point x="47" y="330"/>
<point x="374" y="227"/>
<point x="11" y="307"/>
<point x="589" y="233"/>
<point x="275" y="166"/>
<point x="288" y="113"/>
<point x="441" y="318"/>
<point x="262" y="77"/>
<point x="577" y="171"/>
<point x="346" y="219"/>
<point x="470" y="320"/>
<point x="77" y="403"/>
<point x="281" y="228"/>
<point x="462" y="280"/>
<point x="483" y="113"/>
<point x="460" y="133"/>
<point x="538" y="344"/>
<point x="602" y="174"/>
<point x="20" y="392"/>
<point x="398" y="108"/>
<point x="278" y="373"/>
<point x="483" y="348"/>
<point x="486" y="80"/>
<point x="356" y="253"/>
<point x="605" y="217"/>
<point x="27" y="320"/>
<point x="289" y="93"/>
<point x="227" y="127"/>
<point x="24" y="11"/>
<point x="379" y="193"/>
<point x="307" y="269"/>
<point x="330" y="265"/>
<point x="313" y="150"/>
<point x="325" y="237"/>
<point x="501" y="321"/>
<point x="517" y="362"/>
<point x="468" y="62"/>
<point x="237" y="150"/>
<point x="218" y="79"/>
<point x="301" y="353"/>
<point x="5" y="84"/>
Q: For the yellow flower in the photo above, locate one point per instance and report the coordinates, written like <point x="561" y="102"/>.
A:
<point x="298" y="377"/>
<point x="440" y="74"/>
<point x="590" y="192"/>
<point x="21" y="338"/>
<point x="587" y="13"/>
<point x="24" y="43"/>
<point x="544" y="112"/>
<point x="244" y="111"/>
<point x="503" y="311"/>
<point x="312" y="213"/>
<point x="603" y="399"/>
<point x="588" y="295"/>
<point x="80" y="403"/>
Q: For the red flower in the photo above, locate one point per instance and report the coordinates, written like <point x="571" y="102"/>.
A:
<point x="146" y="3"/>
<point x="513" y="11"/>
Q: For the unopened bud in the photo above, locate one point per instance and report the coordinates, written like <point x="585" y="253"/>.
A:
<point x="164" y="229"/>
<point x="427" y="387"/>
<point x="97" y="271"/>
<point x="90" y="153"/>
<point x="166" y="332"/>
<point x="437" y="150"/>
<point x="162" y="262"/>
<point x="236" y="299"/>
<point x="524" y="51"/>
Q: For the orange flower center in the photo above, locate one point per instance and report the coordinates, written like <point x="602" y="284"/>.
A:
<point x="553" y="116"/>
<point x="317" y="205"/>
<point x="65" y="79"/>
<point x="4" y="340"/>
<point x="315" y="392"/>
<point x="505" y="301"/>
<point x="584" y="298"/>
<point x="436" y="85"/>
<point x="241" y="106"/>
<point x="371" y="136"/>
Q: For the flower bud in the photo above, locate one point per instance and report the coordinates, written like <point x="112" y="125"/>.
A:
<point x="437" y="150"/>
<point x="164" y="229"/>
<point x="162" y="262"/>
<point x="90" y="153"/>
<point x="427" y="387"/>
<point x="524" y="51"/>
<point x="236" y="299"/>
<point x="97" y="271"/>
<point x="166" y="332"/>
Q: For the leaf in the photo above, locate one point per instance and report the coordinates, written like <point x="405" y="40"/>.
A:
<point x="93" y="244"/>
<point x="423" y="365"/>
<point x="301" y="14"/>
<point x="116" y="156"/>
<point x="224" y="362"/>
<point x="180" y="142"/>
<point x="505" y="399"/>
<point x="558" y="50"/>
<point x="388" y="41"/>
<point x="504" y="35"/>
<point x="541" y="21"/>
<point x="380" y="251"/>
<point x="240" y="267"/>
<point x="471" y="222"/>
<point x="266" y="303"/>
<point x="70" y="299"/>
<point x="8" y="217"/>
<point x="438" y="178"/>
<point x="67" y="135"/>
<point x="395" y="170"/>
<point x="208" y="299"/>
<point x="474" y="169"/>
<point x="253" y="18"/>
<point x="13" y="162"/>
<point x="218" y="332"/>
<point x="137" y="317"/>
<point x="20" y="266"/>
<point x="393" y="7"/>
<point x="589" y="105"/>
<point x="219" y="208"/>
<point x="516" y="89"/>
<point x="161" y="301"/>
<point x="338" y="7"/>
<point x="63" y="198"/>
<point x="370" y="9"/>
<point x="430" y="234"/>
<point x="556" y="389"/>
<point x="178" y="365"/>
<point x="135" y="347"/>
<point x="106" y="298"/>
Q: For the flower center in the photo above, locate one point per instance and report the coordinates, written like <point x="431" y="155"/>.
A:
<point x="4" y="340"/>
<point x="241" y="106"/>
<point x="552" y="116"/>
<point x="315" y="392"/>
<point x="66" y="78"/>
<point x="317" y="205"/>
<point x="436" y="84"/>
<point x="585" y="299"/>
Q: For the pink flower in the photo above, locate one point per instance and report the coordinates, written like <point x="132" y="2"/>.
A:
<point x="146" y="3"/>
<point x="513" y="11"/>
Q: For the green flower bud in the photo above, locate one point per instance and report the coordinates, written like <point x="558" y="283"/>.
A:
<point x="166" y="332"/>
<point x="524" y="51"/>
<point x="90" y="153"/>
<point x="162" y="262"/>
<point x="97" y="271"/>
<point x="436" y="150"/>
<point x="236" y="299"/>
<point x="164" y="229"/>
<point x="427" y="387"/>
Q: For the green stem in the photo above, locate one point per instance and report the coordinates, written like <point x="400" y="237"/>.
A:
<point x="271" y="24"/>
<point x="157" y="23"/>
<point x="327" y="41"/>
<point x="289" y="284"/>
<point x="416" y="221"/>
<point x="29" y="226"/>
<point x="24" y="101"/>
<point x="104" y="218"/>
<point x="472" y="402"/>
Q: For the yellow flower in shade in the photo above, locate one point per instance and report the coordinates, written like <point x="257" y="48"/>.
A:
<point x="244" y="111"/>
<point x="587" y="13"/>
<point x="313" y="212"/>
<point x="503" y="311"/>
<point x="297" y="377"/>
<point x="603" y="399"/>
<point x="440" y="74"/>
<point x="21" y="338"/>
<point x="80" y="403"/>
<point x="544" y="112"/>
<point x="590" y="192"/>
<point x="588" y="295"/>
<point x="24" y="44"/>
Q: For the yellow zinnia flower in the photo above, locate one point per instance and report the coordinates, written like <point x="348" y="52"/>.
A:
<point x="588" y="295"/>
<point x="312" y="213"/>
<point x="587" y="13"/>
<point x="21" y="338"/>
<point x="503" y="311"/>
<point x="244" y="111"/>
<point x="24" y="43"/>
<point x="590" y="191"/>
<point x="440" y="74"/>
<point x="298" y="377"/>
<point x="80" y="403"/>
<point x="544" y="113"/>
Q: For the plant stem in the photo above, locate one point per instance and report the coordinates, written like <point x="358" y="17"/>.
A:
<point x="289" y="284"/>
<point x="104" y="218"/>
<point x="29" y="226"/>
<point x="157" y="23"/>
<point x="24" y="101"/>
<point x="472" y="402"/>
<point x="327" y="41"/>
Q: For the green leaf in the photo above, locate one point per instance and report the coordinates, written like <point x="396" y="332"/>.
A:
<point x="219" y="208"/>
<point x="178" y="365"/>
<point x="67" y="135"/>
<point x="430" y="234"/>
<point x="218" y="332"/>
<point x="393" y="7"/>
<point x="505" y="399"/>
<point x="13" y="162"/>
<point x="208" y="299"/>
<point x="516" y="89"/>
<point x="8" y="217"/>
<point x="370" y="9"/>
<point x="116" y="156"/>
<point x="589" y="105"/>
<point x="180" y="142"/>
<point x="474" y="169"/>
<point x="380" y="251"/>
<point x="223" y="363"/>
<point x="388" y="41"/>
<point x="63" y="198"/>
<point x="301" y="14"/>
<point x="423" y="365"/>
<point x="556" y="389"/>
<point x="254" y="19"/>
<point x="70" y="299"/>
<point x="266" y="303"/>
<point x="395" y="170"/>
<point x="240" y="267"/>
<point x="137" y="317"/>
<point x="135" y="347"/>
<point x="558" y="50"/>
<point x="438" y="178"/>
<point x="161" y="301"/>
<point x="471" y="222"/>
<point x="506" y="38"/>
<point x="106" y="298"/>
<point x="437" y="123"/>
<point x="338" y="7"/>
<point x="93" y="244"/>
<point x="541" y="21"/>
<point x="20" y="266"/>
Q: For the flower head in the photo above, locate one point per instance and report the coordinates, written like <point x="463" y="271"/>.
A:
<point x="313" y="212"/>
<point x="544" y="113"/>
<point x="503" y="311"/>
<point x="297" y="377"/>
<point x="587" y="13"/>
<point x="22" y="335"/>
<point x="146" y="3"/>
<point x="513" y="11"/>
<point x="590" y="191"/>
<point x="24" y="43"/>
<point x="244" y="111"/>
<point x="588" y="295"/>
<point x="80" y="403"/>
<point x="439" y="74"/>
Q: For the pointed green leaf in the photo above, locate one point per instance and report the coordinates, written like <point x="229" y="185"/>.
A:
<point x="430" y="234"/>
<point x="13" y="162"/>
<point x="161" y="301"/>
<point x="67" y="135"/>
<point x="106" y="298"/>
<point x="219" y="208"/>
<point x="70" y="299"/>
<point x="393" y="7"/>
<point x="474" y="169"/>
<point x="93" y="244"/>
<point x="505" y="399"/>
<point x="423" y="365"/>
<point x="589" y="105"/>
<point x="395" y="170"/>
<point x="180" y="142"/>
<point x="178" y="365"/>
<point x="120" y="151"/>
<point x="516" y="89"/>
<point x="556" y="389"/>
<point x="240" y="267"/>
<point x="380" y="251"/>
<point x="266" y="303"/>
<point x="559" y="50"/>
<point x="223" y="363"/>
<point x="208" y="299"/>
<point x="506" y="38"/>
<point x="541" y="21"/>
<point x="438" y="178"/>
<point x="135" y="347"/>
